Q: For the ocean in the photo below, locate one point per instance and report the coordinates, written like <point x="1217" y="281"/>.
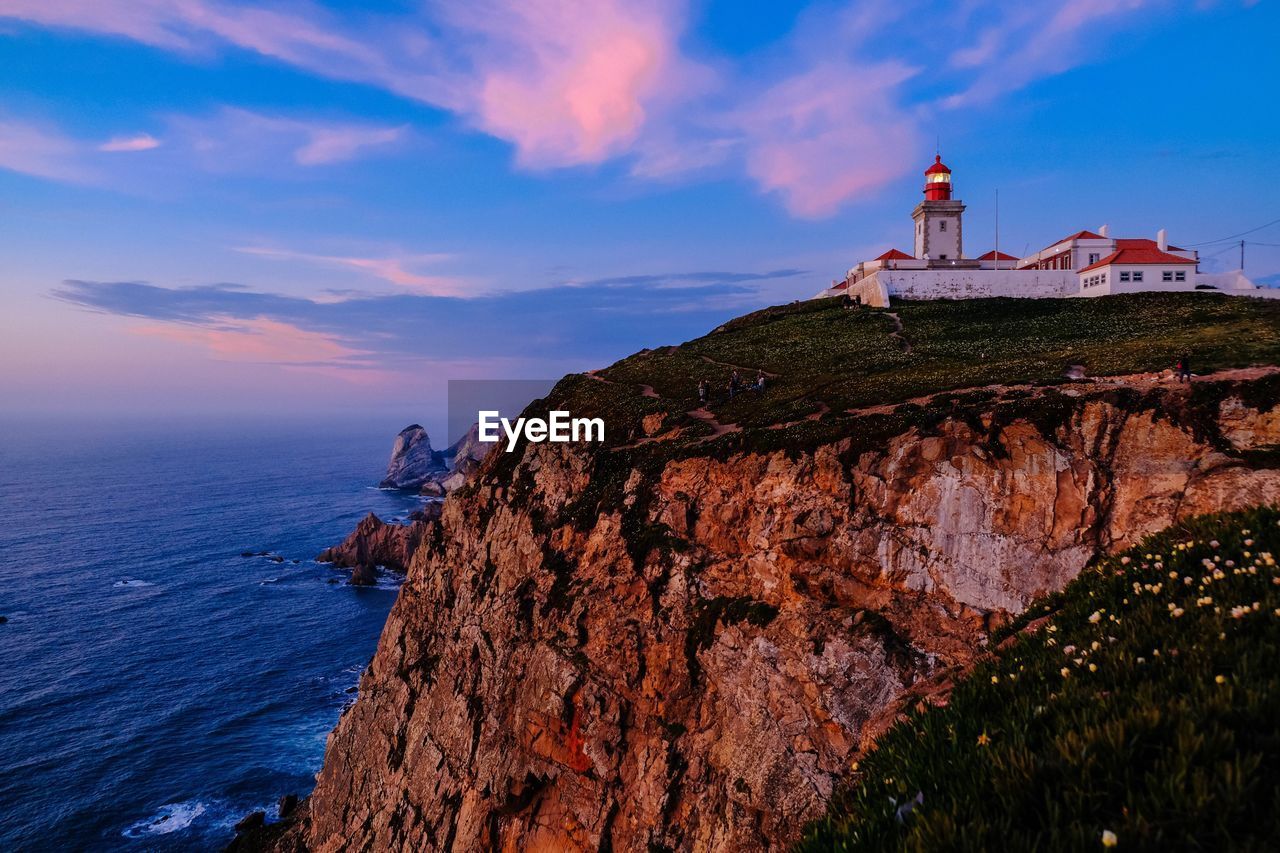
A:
<point x="157" y="686"/>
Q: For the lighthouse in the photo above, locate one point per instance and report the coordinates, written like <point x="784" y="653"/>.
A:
<point x="937" y="181"/>
<point x="938" y="218"/>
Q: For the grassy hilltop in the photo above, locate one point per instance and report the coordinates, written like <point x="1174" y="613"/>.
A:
<point x="825" y="359"/>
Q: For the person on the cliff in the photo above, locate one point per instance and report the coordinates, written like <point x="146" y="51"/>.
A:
<point x="703" y="388"/>
<point x="760" y="380"/>
<point x="1184" y="369"/>
<point x="735" y="382"/>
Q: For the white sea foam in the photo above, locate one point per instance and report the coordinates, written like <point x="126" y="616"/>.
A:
<point x="131" y="582"/>
<point x="172" y="817"/>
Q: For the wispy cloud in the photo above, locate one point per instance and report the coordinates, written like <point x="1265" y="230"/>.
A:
<point x="43" y="152"/>
<point x="592" y="321"/>
<point x="1016" y="44"/>
<point x="829" y="134"/>
<point x="233" y="139"/>
<point x="827" y="114"/>
<point x="255" y="339"/>
<point x="228" y="140"/>
<point x="140" y="142"/>
<point x="392" y="269"/>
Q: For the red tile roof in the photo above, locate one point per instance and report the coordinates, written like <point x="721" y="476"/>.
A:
<point x="895" y="255"/>
<point x="1141" y="243"/>
<point x="992" y="255"/>
<point x="1141" y="255"/>
<point x="1083" y="235"/>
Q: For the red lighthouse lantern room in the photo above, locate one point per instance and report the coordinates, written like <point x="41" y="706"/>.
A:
<point x="937" y="181"/>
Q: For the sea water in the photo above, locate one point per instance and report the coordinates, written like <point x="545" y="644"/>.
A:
<point x="155" y="685"/>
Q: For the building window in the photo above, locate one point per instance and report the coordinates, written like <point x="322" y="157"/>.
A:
<point x="1180" y="276"/>
<point x="1137" y="275"/>
<point x="1167" y="276"/>
<point x="1124" y="276"/>
<point x="942" y="257"/>
<point x="1093" y="257"/>
<point x="942" y="226"/>
<point x="1103" y="278"/>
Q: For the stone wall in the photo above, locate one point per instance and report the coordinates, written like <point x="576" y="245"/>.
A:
<point x="974" y="284"/>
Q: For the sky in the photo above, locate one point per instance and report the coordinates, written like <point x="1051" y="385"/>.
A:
<point x="324" y="208"/>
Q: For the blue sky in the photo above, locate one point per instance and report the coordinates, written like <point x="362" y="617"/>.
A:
<point x="224" y="206"/>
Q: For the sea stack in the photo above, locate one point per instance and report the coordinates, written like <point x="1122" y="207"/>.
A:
<point x="412" y="460"/>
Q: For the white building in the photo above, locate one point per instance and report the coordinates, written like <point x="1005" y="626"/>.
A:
<point x="1086" y="263"/>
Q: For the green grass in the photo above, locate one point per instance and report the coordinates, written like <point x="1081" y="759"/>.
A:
<point x="1141" y="705"/>
<point x="828" y="356"/>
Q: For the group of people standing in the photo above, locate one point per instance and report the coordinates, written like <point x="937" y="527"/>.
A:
<point x="736" y="386"/>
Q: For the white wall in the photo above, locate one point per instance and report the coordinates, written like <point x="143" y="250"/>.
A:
<point x="1152" y="280"/>
<point x="1234" y="281"/>
<point x="871" y="291"/>
<point x="976" y="284"/>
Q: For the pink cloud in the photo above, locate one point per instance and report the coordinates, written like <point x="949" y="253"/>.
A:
<point x="256" y="340"/>
<point x="307" y="36"/>
<point x="565" y="82"/>
<point x="233" y="139"/>
<point x="141" y="142"/>
<point x="571" y="83"/>
<point x="394" y="269"/>
<point x="337" y="144"/>
<point x="828" y="135"/>
<point x="43" y="152"/>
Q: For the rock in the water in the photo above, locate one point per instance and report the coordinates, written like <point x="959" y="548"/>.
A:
<point x="364" y="575"/>
<point x="251" y="821"/>
<point x="287" y="804"/>
<point x="412" y="460"/>
<point x="374" y="543"/>
<point x="464" y="457"/>
<point x="469" y="451"/>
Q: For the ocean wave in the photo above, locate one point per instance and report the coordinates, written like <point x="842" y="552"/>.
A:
<point x="171" y="817"/>
<point x="132" y="582"/>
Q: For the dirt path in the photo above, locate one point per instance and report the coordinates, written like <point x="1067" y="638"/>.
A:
<point x="645" y="390"/>
<point x="822" y="409"/>
<point x="897" y="332"/>
<point x="717" y="429"/>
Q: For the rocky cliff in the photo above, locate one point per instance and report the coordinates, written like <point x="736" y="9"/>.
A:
<point x="413" y="462"/>
<point x="628" y="649"/>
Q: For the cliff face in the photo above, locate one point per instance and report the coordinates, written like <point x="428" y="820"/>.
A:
<point x="413" y="461"/>
<point x="689" y="652"/>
